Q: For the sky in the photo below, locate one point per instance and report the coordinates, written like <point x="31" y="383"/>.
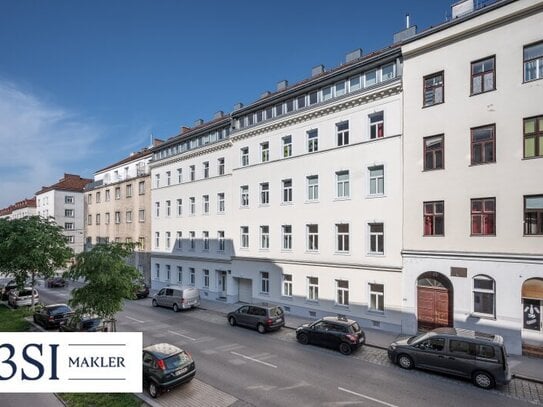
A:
<point x="85" y="83"/>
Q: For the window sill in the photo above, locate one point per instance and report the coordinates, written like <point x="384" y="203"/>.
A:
<point x="286" y="250"/>
<point x="341" y="307"/>
<point x="265" y="294"/>
<point x="376" y="312"/>
<point x="482" y="235"/>
<point x="264" y="250"/>
<point x="311" y="252"/>
<point x="532" y="158"/>
<point x="489" y="317"/>
<point x="432" y="169"/>
<point x="264" y="205"/>
<point x="479" y="164"/>
<point x="311" y="302"/>
<point x="347" y="198"/>
<point x="244" y="207"/>
<point x="533" y="235"/>
<point x="531" y="80"/>
<point x="286" y="297"/>
<point x="370" y="254"/>
<point x="482" y="92"/>
<point x="375" y="196"/>
<point x="433" y="104"/>
<point x="342" y="253"/>
<point x="312" y="201"/>
<point x="433" y="235"/>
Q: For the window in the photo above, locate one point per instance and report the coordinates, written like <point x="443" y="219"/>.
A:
<point x="245" y="156"/>
<point x="157" y="180"/>
<point x="141" y="243"/>
<point x="205" y="238"/>
<point x="377" y="297"/>
<point x="342" y="290"/>
<point x="128" y="216"/>
<point x="264" y="237"/>
<point x="342" y="237"/>
<point x="313" y="97"/>
<point x="269" y="112"/>
<point x="107" y="218"/>
<point x="206" y="278"/>
<point x="313" y="188"/>
<point x="179" y="274"/>
<point x="179" y="175"/>
<point x="287" y="285"/>
<point x="117" y="217"/>
<point x="342" y="132"/>
<point x="533" y="215"/>
<point x="68" y="199"/>
<point x="179" y="239"/>
<point x="434" y="213"/>
<point x="89" y="199"/>
<point x="377" y="125"/>
<point x="179" y="207"/>
<point x="192" y="172"/>
<point x="312" y="140"/>
<point x="220" y="166"/>
<point x="341" y="88"/>
<point x="69" y="213"/>
<point x="97" y="218"/>
<point x="192" y="274"/>
<point x="355" y="83"/>
<point x="220" y="202"/>
<point x="244" y="237"/>
<point x="533" y="137"/>
<point x="301" y="101"/>
<point x="168" y="272"/>
<point x="483" y="145"/>
<point x="484" y="291"/>
<point x="433" y="152"/>
<point x="192" y="240"/>
<point x="168" y="177"/>
<point x="128" y="190"/>
<point x="312" y="237"/>
<point x="264" y="193"/>
<point x="141" y="187"/>
<point x="98" y="197"/>
<point x="370" y="78"/>
<point x="220" y="238"/>
<point x="244" y="195"/>
<point x="192" y="202"/>
<point x="327" y="93"/>
<point x="71" y="239"/>
<point x="107" y="198"/>
<point x="377" y="238"/>
<point x="205" y="203"/>
<point x="533" y="62"/>
<point x="168" y="208"/>
<point x="287" y="237"/>
<point x="89" y="219"/>
<point x="287" y="146"/>
<point x="287" y="190"/>
<point x="483" y="216"/>
<point x="433" y="89"/>
<point x="168" y="239"/>
<point x="264" y="282"/>
<point x="206" y="169"/>
<point x="483" y="76"/>
<point x="388" y="72"/>
<point x="265" y="152"/>
<point x="342" y="182"/>
<point x="377" y="180"/>
<point x="313" y="288"/>
<point x="157" y="271"/>
<point x="141" y="215"/>
<point x="157" y="209"/>
<point x="157" y="240"/>
<point x="278" y="109"/>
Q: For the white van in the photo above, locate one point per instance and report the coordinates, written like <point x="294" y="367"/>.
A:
<point x="177" y="297"/>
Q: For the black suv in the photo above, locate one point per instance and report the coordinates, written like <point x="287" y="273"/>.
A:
<point x="84" y="323"/>
<point x="51" y="316"/>
<point x="332" y="332"/>
<point x="166" y="366"/>
<point x="263" y="317"/>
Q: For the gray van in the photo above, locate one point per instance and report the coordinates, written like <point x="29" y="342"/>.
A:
<point x="177" y="297"/>
<point x="474" y="355"/>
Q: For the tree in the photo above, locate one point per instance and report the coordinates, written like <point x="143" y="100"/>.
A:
<point x="32" y="247"/>
<point x="109" y="280"/>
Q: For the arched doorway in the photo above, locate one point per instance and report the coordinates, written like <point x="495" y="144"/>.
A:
<point x="532" y="320"/>
<point x="434" y="301"/>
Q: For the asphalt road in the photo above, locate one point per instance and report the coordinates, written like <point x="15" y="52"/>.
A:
<point x="240" y="367"/>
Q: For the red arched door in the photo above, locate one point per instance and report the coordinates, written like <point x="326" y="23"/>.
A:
<point x="434" y="301"/>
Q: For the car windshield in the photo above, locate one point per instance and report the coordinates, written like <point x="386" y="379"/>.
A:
<point x="59" y="310"/>
<point x="175" y="361"/>
<point x="418" y="338"/>
<point x="276" y="312"/>
<point x="355" y="327"/>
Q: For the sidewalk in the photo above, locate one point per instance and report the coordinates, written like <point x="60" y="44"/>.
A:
<point x="522" y="367"/>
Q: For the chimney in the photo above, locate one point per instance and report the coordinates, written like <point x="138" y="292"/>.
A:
<point x="408" y="32"/>
<point x="238" y="106"/>
<point x="218" y="115"/>
<point x="353" y="55"/>
<point x="198" y="122"/>
<point x="317" y="70"/>
<point x="282" y="85"/>
<point x="157" y="142"/>
<point x="265" y="94"/>
<point x="184" y="129"/>
<point x="461" y="8"/>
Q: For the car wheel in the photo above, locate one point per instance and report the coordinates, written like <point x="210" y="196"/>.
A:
<point x="153" y="390"/>
<point x="405" y="361"/>
<point x="261" y="328"/>
<point x="483" y="380"/>
<point x="345" y="348"/>
<point x="175" y="308"/>
<point x="303" y="338"/>
<point x="155" y="304"/>
<point x="232" y="321"/>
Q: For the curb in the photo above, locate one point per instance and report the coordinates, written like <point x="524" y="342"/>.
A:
<point x="527" y="378"/>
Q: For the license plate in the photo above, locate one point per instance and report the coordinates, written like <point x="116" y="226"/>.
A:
<point x="180" y="371"/>
<point x="279" y="320"/>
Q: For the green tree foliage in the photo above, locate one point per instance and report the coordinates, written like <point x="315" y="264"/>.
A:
<point x="32" y="247"/>
<point x="108" y="280"/>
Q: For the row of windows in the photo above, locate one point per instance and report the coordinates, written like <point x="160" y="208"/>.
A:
<point x="177" y="177"/>
<point x="195" y="142"/>
<point x="118" y="217"/>
<point x="483" y="216"/>
<point x="117" y="192"/>
<point x="140" y="245"/>
<point x="483" y="75"/>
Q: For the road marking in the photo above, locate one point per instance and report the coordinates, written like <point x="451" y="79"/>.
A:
<point x="253" y="359"/>
<point x="367" y="397"/>
<point x="181" y="335"/>
<point x="137" y="320"/>
<point x="226" y="348"/>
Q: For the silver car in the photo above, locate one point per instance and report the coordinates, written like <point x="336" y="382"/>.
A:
<point x="177" y="297"/>
<point x="19" y="298"/>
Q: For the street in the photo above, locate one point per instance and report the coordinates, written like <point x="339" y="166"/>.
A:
<point x="240" y="367"/>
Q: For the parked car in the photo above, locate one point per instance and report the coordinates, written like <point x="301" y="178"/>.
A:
<point x="177" y="297"/>
<point x="474" y="355"/>
<point x="19" y="298"/>
<point x="263" y="317"/>
<point x="337" y="332"/>
<point x="6" y="285"/>
<point x="166" y="366"/>
<point x="56" y="282"/>
<point x="141" y="290"/>
<point x="85" y="323"/>
<point x="51" y="316"/>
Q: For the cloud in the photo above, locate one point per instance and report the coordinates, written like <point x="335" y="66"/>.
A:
<point x="38" y="142"/>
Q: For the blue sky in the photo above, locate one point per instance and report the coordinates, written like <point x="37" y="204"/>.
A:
<point x="84" y="83"/>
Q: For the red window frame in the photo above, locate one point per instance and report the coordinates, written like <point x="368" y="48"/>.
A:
<point x="433" y="218"/>
<point x="483" y="217"/>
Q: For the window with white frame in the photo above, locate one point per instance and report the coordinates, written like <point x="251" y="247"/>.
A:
<point x="107" y="195"/>
<point x="377" y="180"/>
<point x="192" y="274"/>
<point x="264" y="193"/>
<point x="301" y="102"/>
<point x="69" y="226"/>
<point x="342" y="292"/>
<point x="340" y="88"/>
<point x="313" y="97"/>
<point x="342" y="133"/>
<point x="220" y="166"/>
<point x="377" y="125"/>
<point x="97" y="218"/>
<point x="244" y="156"/>
<point x="179" y="207"/>
<point x="179" y="274"/>
<point x="69" y="199"/>
<point x="128" y="216"/>
<point x="244" y="230"/>
<point x="69" y="213"/>
<point x="312" y="140"/>
<point x="264" y="282"/>
<point x="168" y="208"/>
<point x="287" y="285"/>
<point x="287" y="146"/>
<point x="192" y="172"/>
<point x="107" y="218"/>
<point x="484" y="292"/>
<point x="377" y="238"/>
<point x="342" y="237"/>
<point x="157" y="209"/>
<point x="287" y="236"/>
<point x="220" y="202"/>
<point x="192" y="239"/>
<point x="205" y="238"/>
<point x="192" y="205"/>
<point x="157" y="180"/>
<point x="343" y="185"/>
<point x="117" y="217"/>
<point x="220" y="238"/>
<point x="168" y="239"/>
<point x="179" y="239"/>
<point x="206" y="278"/>
<point x="533" y="62"/>
<point x="287" y="190"/>
<point x="244" y="195"/>
<point x="377" y="297"/>
<point x="141" y="187"/>
<point x="179" y="175"/>
<point x="168" y="177"/>
<point x="157" y="240"/>
<point x="388" y="72"/>
<point x="264" y="237"/>
<point x="129" y="190"/>
<point x="370" y="78"/>
<point x="312" y="237"/>
<point x="206" y="169"/>
<point x="141" y="243"/>
<point x="355" y="83"/>
<point x="312" y="187"/>
<point x="265" y="152"/>
<point x="71" y="239"/>
<point x="89" y="200"/>
<point x="205" y="204"/>
<point x="141" y="215"/>
<point x="157" y="271"/>
<point x="313" y="288"/>
<point x="327" y="93"/>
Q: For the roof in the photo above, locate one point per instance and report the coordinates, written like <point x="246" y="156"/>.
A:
<point x="70" y="182"/>
<point x="132" y="157"/>
<point x="340" y="319"/>
<point x="25" y="203"/>
<point x="162" y="350"/>
<point x="467" y="333"/>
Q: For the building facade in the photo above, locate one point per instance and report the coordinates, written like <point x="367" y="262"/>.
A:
<point x="473" y="165"/>
<point x="117" y="207"/>
<point x="21" y="209"/>
<point x="294" y="199"/>
<point x="63" y="202"/>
